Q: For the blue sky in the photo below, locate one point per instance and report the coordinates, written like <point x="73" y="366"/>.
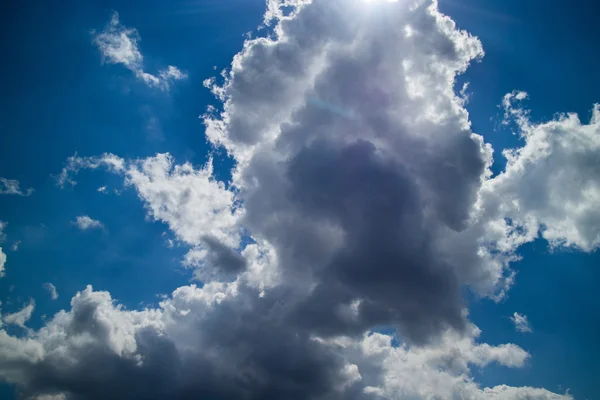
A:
<point x="60" y="98"/>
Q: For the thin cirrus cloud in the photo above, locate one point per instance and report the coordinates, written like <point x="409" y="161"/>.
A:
<point x="119" y="45"/>
<point x="356" y="223"/>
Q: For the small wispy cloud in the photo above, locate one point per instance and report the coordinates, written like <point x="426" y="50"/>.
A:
<point x="51" y="290"/>
<point x="13" y="187"/>
<point x="85" y="223"/>
<point x="2" y="255"/>
<point x="521" y="323"/>
<point x="103" y="190"/>
<point x="172" y="73"/>
<point x="2" y="262"/>
<point x="15" y="246"/>
<point x="20" y="317"/>
<point x="153" y="126"/>
<point x="75" y="163"/>
<point x="119" y="45"/>
<point x="2" y="234"/>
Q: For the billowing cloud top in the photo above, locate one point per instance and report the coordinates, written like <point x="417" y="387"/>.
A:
<point x="367" y="201"/>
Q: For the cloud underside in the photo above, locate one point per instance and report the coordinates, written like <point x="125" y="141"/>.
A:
<point x="226" y="342"/>
<point x="369" y="203"/>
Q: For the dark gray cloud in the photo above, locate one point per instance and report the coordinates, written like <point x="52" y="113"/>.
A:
<point x="241" y="349"/>
<point x="387" y="261"/>
<point x="222" y="257"/>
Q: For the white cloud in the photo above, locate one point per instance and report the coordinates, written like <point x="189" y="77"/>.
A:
<point x="189" y="200"/>
<point x="11" y="186"/>
<point x="172" y="73"/>
<point x="551" y="185"/>
<point x="15" y="245"/>
<point x="103" y="190"/>
<point x="119" y="45"/>
<point x="436" y="372"/>
<point x="51" y="290"/>
<point x="521" y="323"/>
<point x="85" y="223"/>
<point x="20" y="317"/>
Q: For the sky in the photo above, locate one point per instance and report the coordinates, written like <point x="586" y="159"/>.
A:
<point x="326" y="199"/>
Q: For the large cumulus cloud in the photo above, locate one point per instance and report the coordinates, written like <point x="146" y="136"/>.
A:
<point x="368" y="168"/>
<point x="368" y="203"/>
